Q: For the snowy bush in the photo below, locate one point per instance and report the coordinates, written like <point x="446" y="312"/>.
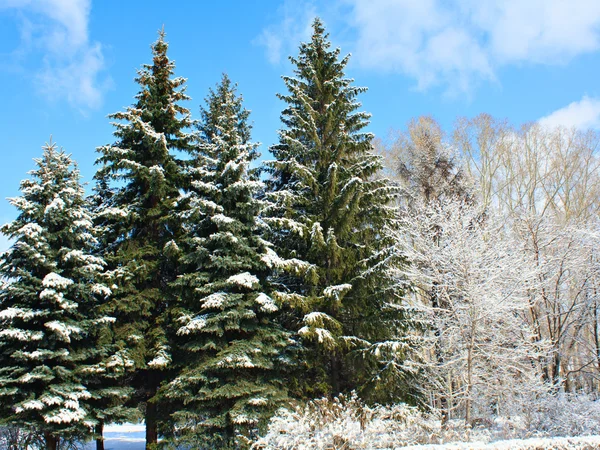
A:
<point x="562" y="415"/>
<point x="347" y="423"/>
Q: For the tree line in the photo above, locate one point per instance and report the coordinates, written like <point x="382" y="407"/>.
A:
<point x="191" y="288"/>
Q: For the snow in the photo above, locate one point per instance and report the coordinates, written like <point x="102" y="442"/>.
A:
<point x="11" y="313"/>
<point x="558" y="443"/>
<point x="30" y="230"/>
<point x="101" y="289"/>
<point x="31" y="404"/>
<point x="62" y="330"/>
<point x="221" y="219"/>
<point x="216" y="301"/>
<point x="195" y="324"/>
<point x="114" y="212"/>
<point x="236" y="361"/>
<point x="266" y="303"/>
<point x="161" y="360"/>
<point x="336" y="292"/>
<point x="58" y="297"/>
<point x="54" y="280"/>
<point x="65" y="415"/>
<point x="244" y="279"/>
<point x="22" y="335"/>
<point x="57" y="204"/>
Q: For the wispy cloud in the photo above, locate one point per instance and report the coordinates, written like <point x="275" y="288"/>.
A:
<point x="294" y="25"/>
<point x="455" y="45"/>
<point x="71" y="64"/>
<point x="583" y="114"/>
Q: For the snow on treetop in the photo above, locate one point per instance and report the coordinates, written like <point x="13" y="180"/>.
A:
<point x="243" y="279"/>
<point x="54" y="280"/>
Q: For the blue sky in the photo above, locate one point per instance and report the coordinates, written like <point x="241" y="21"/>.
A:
<point x="66" y="64"/>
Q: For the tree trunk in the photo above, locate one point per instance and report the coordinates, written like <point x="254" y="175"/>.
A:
<point x="469" y="391"/>
<point x="51" y="441"/>
<point x="99" y="435"/>
<point x="151" y="425"/>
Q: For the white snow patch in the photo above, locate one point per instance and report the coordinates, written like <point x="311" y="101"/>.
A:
<point x="336" y="292"/>
<point x="195" y="324"/>
<point x="266" y="303"/>
<point x="64" y="331"/>
<point x="54" y="280"/>
<point x="57" y="204"/>
<point x="216" y="300"/>
<point x="243" y="279"/>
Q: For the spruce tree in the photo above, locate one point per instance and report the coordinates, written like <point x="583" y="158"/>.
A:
<point x="329" y="213"/>
<point x="139" y="180"/>
<point x="231" y="360"/>
<point x="52" y="290"/>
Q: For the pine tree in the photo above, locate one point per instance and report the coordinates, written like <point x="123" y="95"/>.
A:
<point x="50" y="297"/>
<point x="139" y="180"/>
<point x="232" y="353"/>
<point x="328" y="214"/>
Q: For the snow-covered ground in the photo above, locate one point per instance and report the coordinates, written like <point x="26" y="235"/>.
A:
<point x="131" y="437"/>
<point x="123" y="437"/>
<point x="557" y="443"/>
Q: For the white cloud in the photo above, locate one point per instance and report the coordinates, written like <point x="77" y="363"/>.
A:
<point x="583" y="114"/>
<point x="72" y="65"/>
<point x="455" y="44"/>
<point x="459" y="43"/>
<point x="281" y="39"/>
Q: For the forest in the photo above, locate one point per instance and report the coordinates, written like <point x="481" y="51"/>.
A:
<point x="344" y="291"/>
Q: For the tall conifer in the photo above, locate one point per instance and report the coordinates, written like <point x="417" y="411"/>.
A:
<point x="329" y="211"/>
<point x="232" y="364"/>
<point x="139" y="177"/>
<point x="52" y="290"/>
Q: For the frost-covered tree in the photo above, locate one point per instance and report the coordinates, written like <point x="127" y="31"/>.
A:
<point x="484" y="357"/>
<point x="327" y="216"/>
<point x="139" y="179"/>
<point x="231" y="364"/>
<point x="52" y="289"/>
<point x="425" y="164"/>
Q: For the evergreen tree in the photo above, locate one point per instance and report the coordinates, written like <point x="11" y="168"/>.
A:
<point x="328" y="214"/>
<point x="139" y="180"/>
<point x="231" y="362"/>
<point x="50" y="296"/>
